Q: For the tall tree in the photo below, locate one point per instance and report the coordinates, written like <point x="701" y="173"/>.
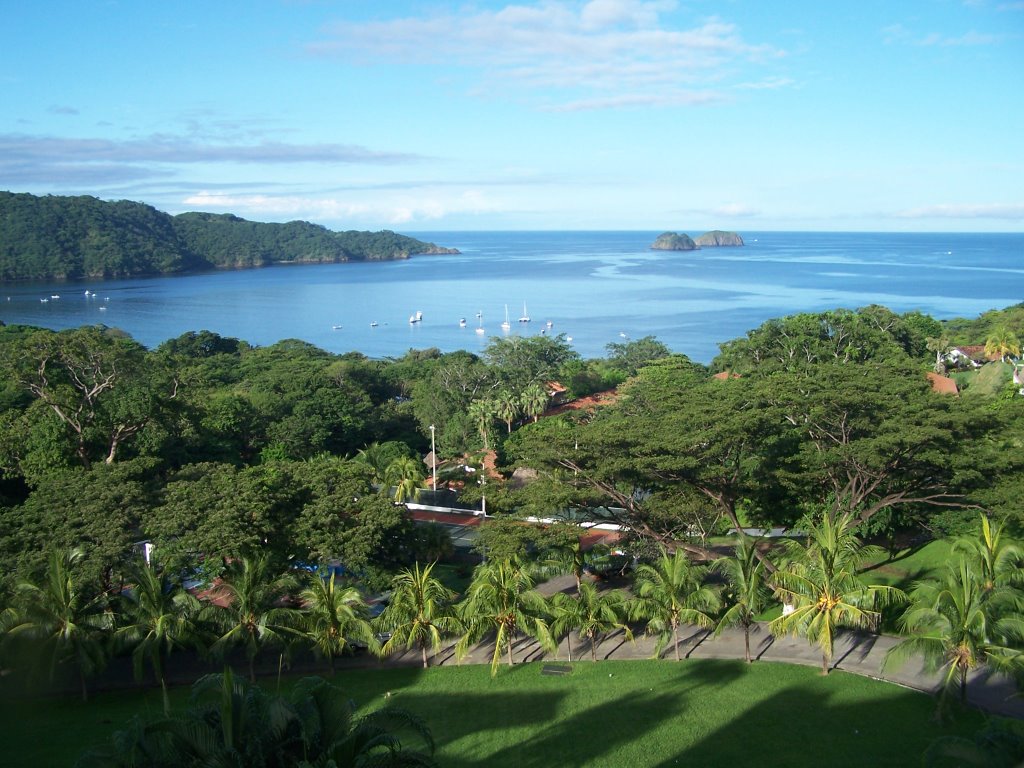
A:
<point x="249" y="611"/>
<point x="501" y="601"/>
<point x="593" y="613"/>
<point x="406" y="475"/>
<point x="669" y="593"/>
<point x="957" y="624"/>
<point x="58" y="620"/>
<point x="420" y="613"/>
<point x="333" y="617"/>
<point x="747" y="593"/>
<point x="821" y="584"/>
<point x="99" y="385"/>
<point x="156" y="616"/>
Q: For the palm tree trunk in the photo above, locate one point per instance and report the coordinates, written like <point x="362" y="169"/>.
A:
<point x="423" y="651"/>
<point x="593" y="648"/>
<point x="675" y="637"/>
<point x="746" y="643"/>
<point x="568" y="642"/>
<point x="510" y="662"/>
<point x="963" y="685"/>
<point x="824" y="663"/>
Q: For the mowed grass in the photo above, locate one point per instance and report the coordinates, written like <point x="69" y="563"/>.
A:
<point x="614" y="713"/>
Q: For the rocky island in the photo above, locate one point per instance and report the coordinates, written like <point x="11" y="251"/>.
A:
<point x="717" y="237"/>
<point x="674" y="241"/>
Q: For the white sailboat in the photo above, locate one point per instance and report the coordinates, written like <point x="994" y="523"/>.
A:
<point x="506" y="326"/>
<point x="480" y="326"/>
<point x="526" y="317"/>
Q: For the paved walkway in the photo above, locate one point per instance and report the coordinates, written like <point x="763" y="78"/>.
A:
<point x="860" y="653"/>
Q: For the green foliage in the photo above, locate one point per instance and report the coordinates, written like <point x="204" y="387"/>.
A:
<point x="75" y="237"/>
<point x="230" y="722"/>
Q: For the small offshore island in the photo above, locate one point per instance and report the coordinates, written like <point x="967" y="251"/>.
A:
<point x="674" y="241"/>
<point x="68" y="238"/>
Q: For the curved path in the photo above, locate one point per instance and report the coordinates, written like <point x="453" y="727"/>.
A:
<point x="860" y="653"/>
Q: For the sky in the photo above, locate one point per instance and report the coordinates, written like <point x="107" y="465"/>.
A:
<point x="550" y="115"/>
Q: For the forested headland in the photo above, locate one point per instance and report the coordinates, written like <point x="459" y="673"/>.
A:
<point x="53" y="237"/>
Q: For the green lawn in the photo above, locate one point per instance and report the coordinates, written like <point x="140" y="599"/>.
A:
<point x="615" y="713"/>
<point x="909" y="566"/>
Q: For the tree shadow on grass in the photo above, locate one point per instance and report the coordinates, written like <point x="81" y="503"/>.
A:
<point x="816" y="724"/>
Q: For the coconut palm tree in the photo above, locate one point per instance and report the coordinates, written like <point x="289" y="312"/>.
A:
<point x="501" y="600"/>
<point x="592" y="613"/>
<point x="483" y="412"/>
<point x="251" y="608"/>
<point x="333" y="616"/>
<point x="997" y="559"/>
<point x="1002" y="342"/>
<point x="406" y="474"/>
<point x="419" y="614"/>
<point x="747" y="593"/>
<point x="571" y="557"/>
<point x="821" y="583"/>
<point x="507" y="407"/>
<point x="533" y="401"/>
<point x="669" y="593"/>
<point x="377" y="457"/>
<point x="958" y="624"/>
<point x="58" y="620"/>
<point x="157" y="616"/>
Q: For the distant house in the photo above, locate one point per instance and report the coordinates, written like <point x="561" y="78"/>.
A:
<point x="968" y="356"/>
<point x="942" y="384"/>
<point x="556" y="393"/>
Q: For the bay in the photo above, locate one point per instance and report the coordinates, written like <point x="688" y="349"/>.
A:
<point x="595" y="287"/>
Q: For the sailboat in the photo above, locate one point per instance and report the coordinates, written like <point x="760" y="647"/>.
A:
<point x="525" y="318"/>
<point x="505" y="326"/>
<point x="480" y="326"/>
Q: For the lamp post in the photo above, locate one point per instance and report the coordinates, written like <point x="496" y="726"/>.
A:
<point x="433" y="458"/>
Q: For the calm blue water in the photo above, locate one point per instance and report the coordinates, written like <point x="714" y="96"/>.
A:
<point x="597" y="287"/>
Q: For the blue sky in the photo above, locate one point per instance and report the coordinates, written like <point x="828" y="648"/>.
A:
<point x="608" y="114"/>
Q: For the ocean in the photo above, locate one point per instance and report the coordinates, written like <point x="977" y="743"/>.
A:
<point x="596" y="288"/>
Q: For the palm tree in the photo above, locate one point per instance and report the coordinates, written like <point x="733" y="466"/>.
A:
<point x="1002" y="342"/>
<point x="419" y="613"/>
<point x="253" y="614"/>
<point x="593" y="614"/>
<point x="997" y="559"/>
<point x="821" y="583"/>
<point x="669" y="593"/>
<point x="747" y="594"/>
<point x="570" y="557"/>
<point x="956" y="624"/>
<point x="333" y="615"/>
<point x="533" y="401"/>
<point x="158" y="616"/>
<point x="507" y="407"/>
<point x="58" y="620"/>
<point x="377" y="457"/>
<point x="232" y="723"/>
<point x="501" y="600"/>
<point x="406" y="474"/>
<point x="482" y="412"/>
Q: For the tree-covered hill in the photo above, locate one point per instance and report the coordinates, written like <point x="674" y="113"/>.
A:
<point x="77" y="237"/>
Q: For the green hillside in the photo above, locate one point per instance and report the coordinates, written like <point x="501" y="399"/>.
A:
<point x="79" y="237"/>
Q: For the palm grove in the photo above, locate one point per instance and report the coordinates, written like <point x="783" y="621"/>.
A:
<point x="240" y="464"/>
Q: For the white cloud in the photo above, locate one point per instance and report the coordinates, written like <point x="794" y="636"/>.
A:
<point x="400" y="208"/>
<point x="1009" y="211"/>
<point x="606" y="49"/>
